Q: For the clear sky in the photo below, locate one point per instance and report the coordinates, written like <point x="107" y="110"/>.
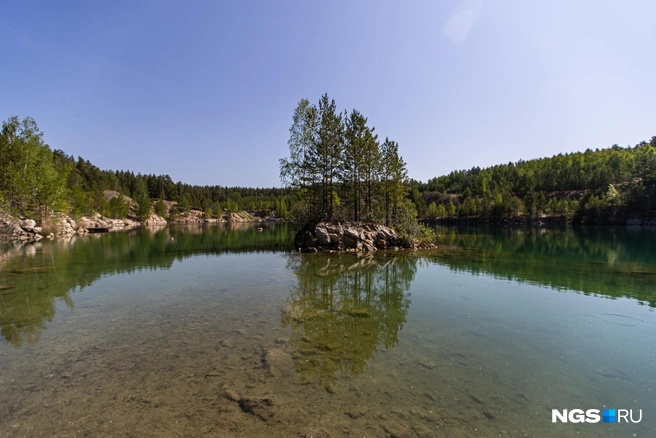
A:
<point x="204" y="90"/>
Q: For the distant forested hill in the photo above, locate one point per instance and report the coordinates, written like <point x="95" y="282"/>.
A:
<point x="36" y="181"/>
<point x="601" y="186"/>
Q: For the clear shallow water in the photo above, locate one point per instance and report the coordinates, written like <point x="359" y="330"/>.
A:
<point x="138" y="334"/>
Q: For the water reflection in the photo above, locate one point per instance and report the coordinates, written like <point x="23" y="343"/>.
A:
<point x="610" y="262"/>
<point x="34" y="277"/>
<point x="342" y="309"/>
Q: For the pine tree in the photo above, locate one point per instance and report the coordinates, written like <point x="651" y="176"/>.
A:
<point x="371" y="170"/>
<point x="392" y="176"/>
<point x="329" y="149"/>
<point x="352" y="166"/>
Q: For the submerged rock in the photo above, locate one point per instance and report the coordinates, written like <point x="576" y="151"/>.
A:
<point x="231" y="394"/>
<point x="262" y="407"/>
<point x="228" y="343"/>
<point x="278" y="363"/>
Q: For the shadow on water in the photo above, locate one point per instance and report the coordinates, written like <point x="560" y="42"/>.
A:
<point x="342" y="309"/>
<point x="609" y="262"/>
<point x="34" y="277"/>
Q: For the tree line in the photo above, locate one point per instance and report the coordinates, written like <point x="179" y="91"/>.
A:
<point x="36" y="181"/>
<point x="340" y="170"/>
<point x="600" y="186"/>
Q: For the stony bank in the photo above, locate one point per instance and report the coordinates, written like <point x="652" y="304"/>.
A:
<point x="352" y="237"/>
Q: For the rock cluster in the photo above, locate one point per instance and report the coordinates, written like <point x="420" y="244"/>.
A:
<point x="197" y="216"/>
<point x="155" y="221"/>
<point x="66" y="225"/>
<point x="24" y="231"/>
<point x="350" y="237"/>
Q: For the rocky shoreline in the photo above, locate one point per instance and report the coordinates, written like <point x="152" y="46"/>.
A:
<point x="352" y="237"/>
<point x="198" y="217"/>
<point x="16" y="230"/>
<point x="21" y="230"/>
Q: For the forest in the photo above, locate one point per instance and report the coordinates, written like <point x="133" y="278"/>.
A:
<point x="36" y="181"/>
<point x="337" y="168"/>
<point x="604" y="186"/>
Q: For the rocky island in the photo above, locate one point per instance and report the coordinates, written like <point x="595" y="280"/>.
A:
<point x="352" y="237"/>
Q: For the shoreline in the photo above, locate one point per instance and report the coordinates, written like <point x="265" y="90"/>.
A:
<point x="17" y="230"/>
<point x="545" y="221"/>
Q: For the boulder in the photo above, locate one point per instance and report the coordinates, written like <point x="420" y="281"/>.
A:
<point x="352" y="233"/>
<point x="305" y="240"/>
<point x="28" y="224"/>
<point x="322" y="235"/>
<point x="350" y="241"/>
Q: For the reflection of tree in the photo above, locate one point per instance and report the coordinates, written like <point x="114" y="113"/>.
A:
<point x="613" y="262"/>
<point x="342" y="309"/>
<point x="34" y="277"/>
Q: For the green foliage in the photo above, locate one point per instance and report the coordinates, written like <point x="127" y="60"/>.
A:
<point x="432" y="211"/>
<point x="29" y="180"/>
<point x="117" y="208"/>
<point x="393" y="175"/>
<point x="232" y="206"/>
<point x="451" y="209"/>
<point x="602" y="186"/>
<point x="144" y="207"/>
<point x="160" y="208"/>
<point x="185" y="204"/>
<point x="281" y="209"/>
<point x="340" y="170"/>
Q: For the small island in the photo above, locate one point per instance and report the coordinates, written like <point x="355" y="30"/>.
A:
<point x="350" y="187"/>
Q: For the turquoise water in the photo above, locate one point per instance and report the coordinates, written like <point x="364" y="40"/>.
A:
<point x="158" y="333"/>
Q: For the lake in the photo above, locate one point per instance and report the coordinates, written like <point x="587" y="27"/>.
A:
<point x="223" y="331"/>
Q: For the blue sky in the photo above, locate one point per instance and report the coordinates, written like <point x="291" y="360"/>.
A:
<point x="204" y="90"/>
